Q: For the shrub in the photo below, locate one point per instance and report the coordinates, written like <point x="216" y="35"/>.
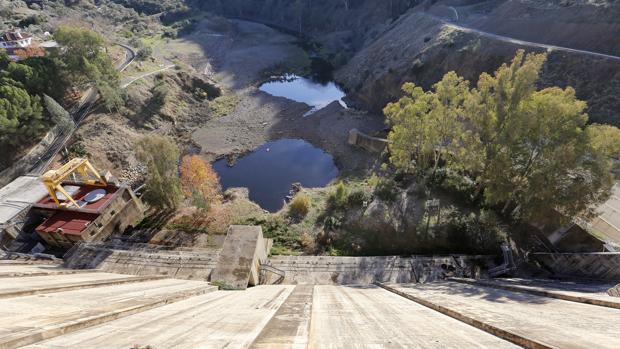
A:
<point x="333" y="252"/>
<point x="220" y="218"/>
<point x="384" y="188"/>
<point x="160" y="93"/>
<point x="161" y="156"/>
<point x="357" y="198"/>
<point x="30" y="20"/>
<point x="300" y="206"/>
<point x="308" y="243"/>
<point x="169" y="33"/>
<point x="470" y="233"/>
<point x="200" y="182"/>
<point x="223" y="105"/>
<point x="223" y="286"/>
<point x="285" y="240"/>
<point x="333" y="222"/>
<point x="215" y="221"/>
<point x="338" y="198"/>
<point x="144" y="52"/>
<point x="78" y="150"/>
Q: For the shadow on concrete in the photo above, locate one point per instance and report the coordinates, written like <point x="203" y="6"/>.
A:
<point x="486" y="293"/>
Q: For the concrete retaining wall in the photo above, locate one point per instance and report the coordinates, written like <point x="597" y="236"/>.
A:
<point x="362" y="140"/>
<point x="324" y="270"/>
<point x="141" y="260"/>
<point x="602" y="265"/>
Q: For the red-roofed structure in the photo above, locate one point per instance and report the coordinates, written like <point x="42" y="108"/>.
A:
<point x="15" y="39"/>
<point x="72" y="223"/>
<point x="114" y="208"/>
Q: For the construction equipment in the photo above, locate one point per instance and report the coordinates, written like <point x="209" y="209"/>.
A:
<point x="53" y="179"/>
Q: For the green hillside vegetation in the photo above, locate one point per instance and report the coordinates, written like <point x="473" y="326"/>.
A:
<point x="81" y="63"/>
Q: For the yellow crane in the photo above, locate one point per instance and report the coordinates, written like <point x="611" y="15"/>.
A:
<point x="53" y="179"/>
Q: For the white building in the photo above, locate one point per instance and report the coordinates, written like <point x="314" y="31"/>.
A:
<point x="15" y="39"/>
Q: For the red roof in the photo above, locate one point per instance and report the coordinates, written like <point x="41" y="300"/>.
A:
<point x="72" y="223"/>
<point x="12" y="36"/>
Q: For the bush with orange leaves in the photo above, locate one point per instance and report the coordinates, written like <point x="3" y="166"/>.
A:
<point x="199" y="182"/>
<point x="28" y="52"/>
<point x="215" y="221"/>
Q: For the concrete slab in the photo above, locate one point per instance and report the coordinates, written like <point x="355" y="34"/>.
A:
<point x="222" y="319"/>
<point x="582" y="292"/>
<point x="19" y="195"/>
<point x="30" y="319"/>
<point x="19" y="287"/>
<point x="15" y="270"/>
<point x="26" y="283"/>
<point x="4" y="262"/>
<point x="540" y="321"/>
<point x="368" y="316"/>
<point x="290" y="326"/>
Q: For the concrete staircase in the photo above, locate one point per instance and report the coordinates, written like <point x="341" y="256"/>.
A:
<point x="42" y="301"/>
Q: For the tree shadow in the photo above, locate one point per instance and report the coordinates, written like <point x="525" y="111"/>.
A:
<point x="485" y="293"/>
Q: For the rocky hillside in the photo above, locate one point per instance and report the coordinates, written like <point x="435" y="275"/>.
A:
<point x="382" y="44"/>
<point x="421" y="47"/>
<point x="341" y="26"/>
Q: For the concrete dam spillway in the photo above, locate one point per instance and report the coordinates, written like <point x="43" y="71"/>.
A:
<point x="119" y="295"/>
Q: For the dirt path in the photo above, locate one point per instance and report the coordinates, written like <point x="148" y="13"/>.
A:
<point x="527" y="43"/>
<point x="237" y="58"/>
<point x="142" y="76"/>
<point x="450" y="14"/>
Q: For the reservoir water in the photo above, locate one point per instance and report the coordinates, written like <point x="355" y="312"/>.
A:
<point x="300" y="89"/>
<point x="269" y="171"/>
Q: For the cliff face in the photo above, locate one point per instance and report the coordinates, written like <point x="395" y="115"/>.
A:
<point x="340" y="26"/>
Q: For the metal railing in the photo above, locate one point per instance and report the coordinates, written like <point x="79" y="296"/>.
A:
<point x="268" y="268"/>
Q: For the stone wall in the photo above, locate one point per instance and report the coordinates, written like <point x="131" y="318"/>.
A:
<point x="598" y="265"/>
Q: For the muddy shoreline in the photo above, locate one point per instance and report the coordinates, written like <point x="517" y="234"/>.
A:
<point x="250" y="50"/>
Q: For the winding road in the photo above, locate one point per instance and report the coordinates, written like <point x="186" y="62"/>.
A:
<point x="132" y="80"/>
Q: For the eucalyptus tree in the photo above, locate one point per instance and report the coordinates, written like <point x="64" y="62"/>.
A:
<point x="528" y="149"/>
